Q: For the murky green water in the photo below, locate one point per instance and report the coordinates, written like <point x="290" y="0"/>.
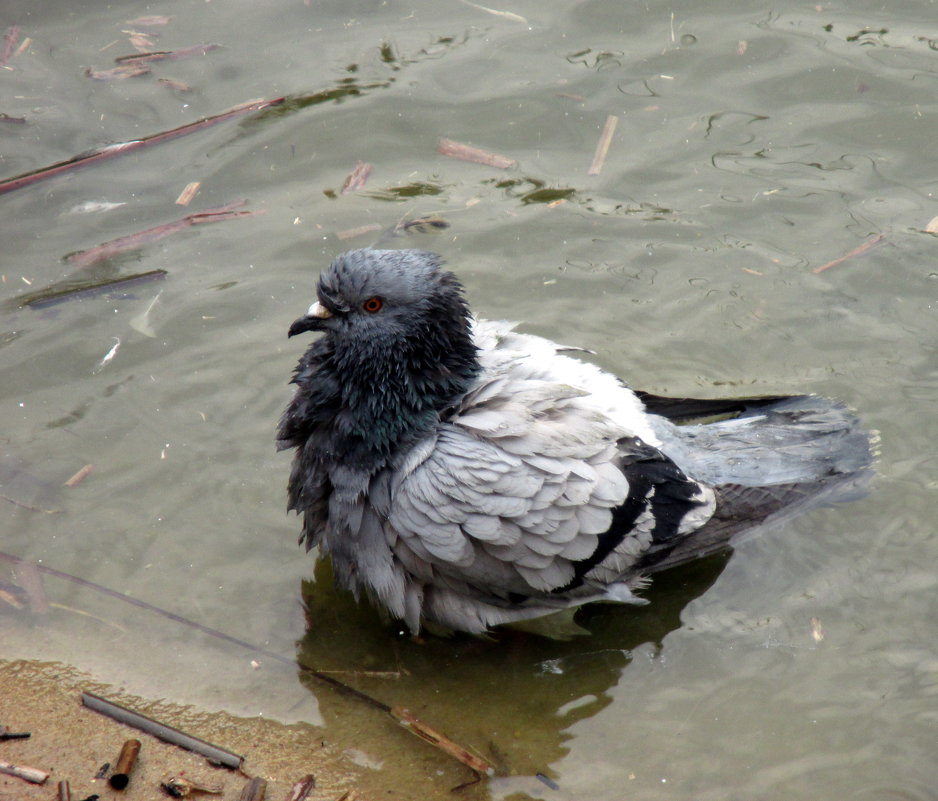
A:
<point x="754" y="145"/>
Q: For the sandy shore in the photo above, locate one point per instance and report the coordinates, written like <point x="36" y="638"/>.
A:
<point x="71" y="743"/>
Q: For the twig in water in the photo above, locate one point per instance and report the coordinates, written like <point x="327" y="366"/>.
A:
<point x="167" y="55"/>
<point x="85" y="258"/>
<point x="456" y="150"/>
<point x="80" y="476"/>
<point x="441" y="741"/>
<point x="122" y="148"/>
<point x="350" y="233"/>
<point x="857" y="251"/>
<point x="602" y="147"/>
<point x="185" y="197"/>
<point x="118" y="73"/>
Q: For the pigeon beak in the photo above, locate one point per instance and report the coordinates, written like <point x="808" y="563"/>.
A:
<point x="311" y="321"/>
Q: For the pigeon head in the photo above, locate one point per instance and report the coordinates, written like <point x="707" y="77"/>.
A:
<point x="368" y="292"/>
<point x="396" y="350"/>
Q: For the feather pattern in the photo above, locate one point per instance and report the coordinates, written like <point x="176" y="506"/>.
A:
<point x="459" y="471"/>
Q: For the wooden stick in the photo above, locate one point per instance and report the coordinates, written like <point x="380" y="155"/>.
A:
<point x="120" y="778"/>
<point x="353" y="232"/>
<point x="167" y="55"/>
<point x="86" y="258"/>
<point x="64" y="792"/>
<point x="457" y="150"/>
<point x="119" y="72"/>
<point x="870" y="243"/>
<point x="33" y="775"/>
<point x="161" y="731"/>
<point x="602" y="147"/>
<point x="189" y="192"/>
<point x="80" y="476"/>
<point x="441" y="741"/>
<point x="122" y="148"/>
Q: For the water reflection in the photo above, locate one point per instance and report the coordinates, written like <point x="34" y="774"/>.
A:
<point x="513" y="696"/>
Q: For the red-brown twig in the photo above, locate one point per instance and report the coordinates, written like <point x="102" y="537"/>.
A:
<point x="85" y="258"/>
<point x="456" y="150"/>
<point x="79" y="476"/>
<point x="122" y="148"/>
<point x="602" y="147"/>
<point x="167" y="55"/>
<point x="857" y="251"/>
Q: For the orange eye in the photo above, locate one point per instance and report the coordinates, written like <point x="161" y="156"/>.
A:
<point x="373" y="305"/>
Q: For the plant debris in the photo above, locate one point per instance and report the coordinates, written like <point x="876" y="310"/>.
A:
<point x="85" y="258"/>
<point x="602" y="147"/>
<point x="456" y="150"/>
<point x="54" y="294"/>
<point x="857" y="251"/>
<point x="357" y="178"/>
<point x="122" y="148"/>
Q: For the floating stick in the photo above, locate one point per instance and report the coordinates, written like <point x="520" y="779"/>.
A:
<point x="602" y="147"/>
<point x="121" y="148"/>
<point x="456" y="150"/>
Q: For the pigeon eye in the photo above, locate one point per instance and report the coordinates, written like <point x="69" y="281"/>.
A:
<point x="373" y="305"/>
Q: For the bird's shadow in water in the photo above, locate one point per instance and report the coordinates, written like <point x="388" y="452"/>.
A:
<point x="511" y="696"/>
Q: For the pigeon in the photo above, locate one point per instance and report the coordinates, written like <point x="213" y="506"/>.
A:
<point x="464" y="474"/>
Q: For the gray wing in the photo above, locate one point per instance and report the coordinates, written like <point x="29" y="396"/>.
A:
<point x="539" y="493"/>
<point x="484" y="529"/>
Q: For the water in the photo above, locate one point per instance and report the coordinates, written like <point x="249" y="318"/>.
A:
<point x="754" y="145"/>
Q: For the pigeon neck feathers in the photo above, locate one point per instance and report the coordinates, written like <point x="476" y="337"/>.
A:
<point x="380" y="380"/>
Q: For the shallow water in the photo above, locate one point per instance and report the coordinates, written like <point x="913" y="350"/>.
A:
<point x="754" y="145"/>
